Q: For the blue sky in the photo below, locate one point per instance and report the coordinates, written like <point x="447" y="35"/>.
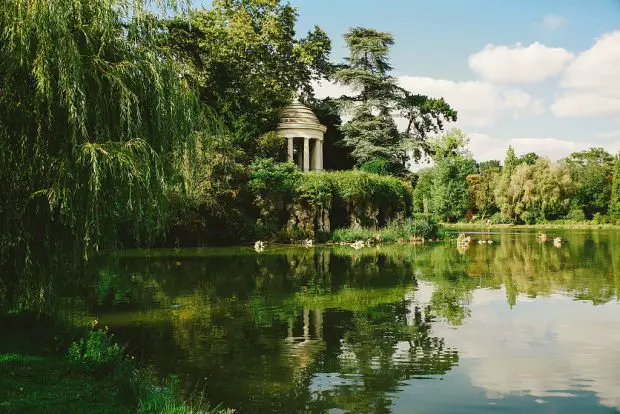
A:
<point x="542" y="75"/>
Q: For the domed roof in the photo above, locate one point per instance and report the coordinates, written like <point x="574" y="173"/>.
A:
<point x="298" y="113"/>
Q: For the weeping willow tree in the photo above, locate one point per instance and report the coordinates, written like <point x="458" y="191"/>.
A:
<point x="92" y="117"/>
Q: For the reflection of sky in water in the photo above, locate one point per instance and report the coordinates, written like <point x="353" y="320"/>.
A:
<point x="548" y="350"/>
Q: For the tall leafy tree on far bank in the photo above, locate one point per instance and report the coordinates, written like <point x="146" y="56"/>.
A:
<point x="449" y="192"/>
<point x="501" y="191"/>
<point x="592" y="172"/>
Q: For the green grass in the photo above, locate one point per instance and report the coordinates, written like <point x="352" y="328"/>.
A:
<point x="575" y="226"/>
<point x="39" y="375"/>
<point x="45" y="384"/>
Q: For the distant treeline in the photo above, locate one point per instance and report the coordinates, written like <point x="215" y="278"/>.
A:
<point x="528" y="189"/>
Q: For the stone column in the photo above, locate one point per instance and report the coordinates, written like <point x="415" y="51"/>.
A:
<point x="306" y="154"/>
<point x="290" y="149"/>
<point x="319" y="147"/>
<point x="314" y="162"/>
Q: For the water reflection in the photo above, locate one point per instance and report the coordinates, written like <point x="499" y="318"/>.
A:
<point x="517" y="324"/>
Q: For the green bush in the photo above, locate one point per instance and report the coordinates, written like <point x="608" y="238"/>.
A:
<point x="498" y="218"/>
<point x="293" y="205"/>
<point x="576" y="214"/>
<point x="378" y="166"/>
<point x="352" y="235"/>
<point x="418" y="227"/>
<point x="97" y="354"/>
<point x="599" y="218"/>
<point x="268" y="177"/>
<point x="425" y="227"/>
<point x="359" y="187"/>
<point x="530" y="217"/>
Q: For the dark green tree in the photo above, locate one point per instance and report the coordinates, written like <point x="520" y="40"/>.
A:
<point x="529" y="158"/>
<point x="371" y="133"/>
<point x="487" y="165"/>
<point x="336" y="156"/>
<point x="592" y="172"/>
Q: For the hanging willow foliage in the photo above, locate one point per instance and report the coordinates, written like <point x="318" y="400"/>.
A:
<point x="92" y="114"/>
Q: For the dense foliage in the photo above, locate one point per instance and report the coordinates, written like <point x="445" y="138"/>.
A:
<point x="528" y="189"/>
<point x="245" y="61"/>
<point x="92" y="115"/>
<point x="319" y="201"/>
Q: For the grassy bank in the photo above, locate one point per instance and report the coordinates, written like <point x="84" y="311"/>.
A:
<point x="559" y="226"/>
<point x="420" y="227"/>
<point x="40" y="373"/>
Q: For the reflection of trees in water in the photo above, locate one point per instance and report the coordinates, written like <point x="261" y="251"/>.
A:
<point x="378" y="350"/>
<point x="265" y="333"/>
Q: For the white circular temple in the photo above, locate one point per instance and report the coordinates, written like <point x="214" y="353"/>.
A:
<point x="304" y="134"/>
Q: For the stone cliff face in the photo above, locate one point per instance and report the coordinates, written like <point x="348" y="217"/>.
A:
<point x="309" y="219"/>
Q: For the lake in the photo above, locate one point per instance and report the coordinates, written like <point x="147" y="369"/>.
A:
<point x="512" y="326"/>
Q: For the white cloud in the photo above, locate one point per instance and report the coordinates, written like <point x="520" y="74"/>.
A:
<point x="592" y="81"/>
<point x="553" y="21"/>
<point x="485" y="147"/>
<point x="518" y="63"/>
<point x="326" y="89"/>
<point x="610" y="134"/>
<point x="478" y="103"/>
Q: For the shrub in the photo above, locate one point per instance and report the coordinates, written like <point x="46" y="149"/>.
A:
<point x="529" y="217"/>
<point x="269" y="177"/>
<point x="421" y="227"/>
<point x="378" y="166"/>
<point x="424" y="226"/>
<point x="97" y="354"/>
<point x="599" y="218"/>
<point x="576" y="214"/>
<point x="352" y="235"/>
<point x="499" y="218"/>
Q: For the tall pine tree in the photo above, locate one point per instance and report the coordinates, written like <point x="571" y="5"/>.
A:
<point x="371" y="133"/>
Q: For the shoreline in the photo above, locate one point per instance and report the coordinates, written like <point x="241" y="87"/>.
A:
<point x="559" y="226"/>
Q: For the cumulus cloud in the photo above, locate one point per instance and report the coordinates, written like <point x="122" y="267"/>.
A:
<point x="326" y="89"/>
<point x="518" y="63"/>
<point x="553" y="21"/>
<point x="478" y="103"/>
<point x="610" y="134"/>
<point x="592" y="81"/>
<point x="485" y="147"/>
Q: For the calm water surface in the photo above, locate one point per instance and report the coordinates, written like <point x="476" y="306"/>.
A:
<point x="513" y="326"/>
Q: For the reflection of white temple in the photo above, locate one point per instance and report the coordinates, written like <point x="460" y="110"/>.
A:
<point x="305" y="348"/>
<point x="304" y="134"/>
